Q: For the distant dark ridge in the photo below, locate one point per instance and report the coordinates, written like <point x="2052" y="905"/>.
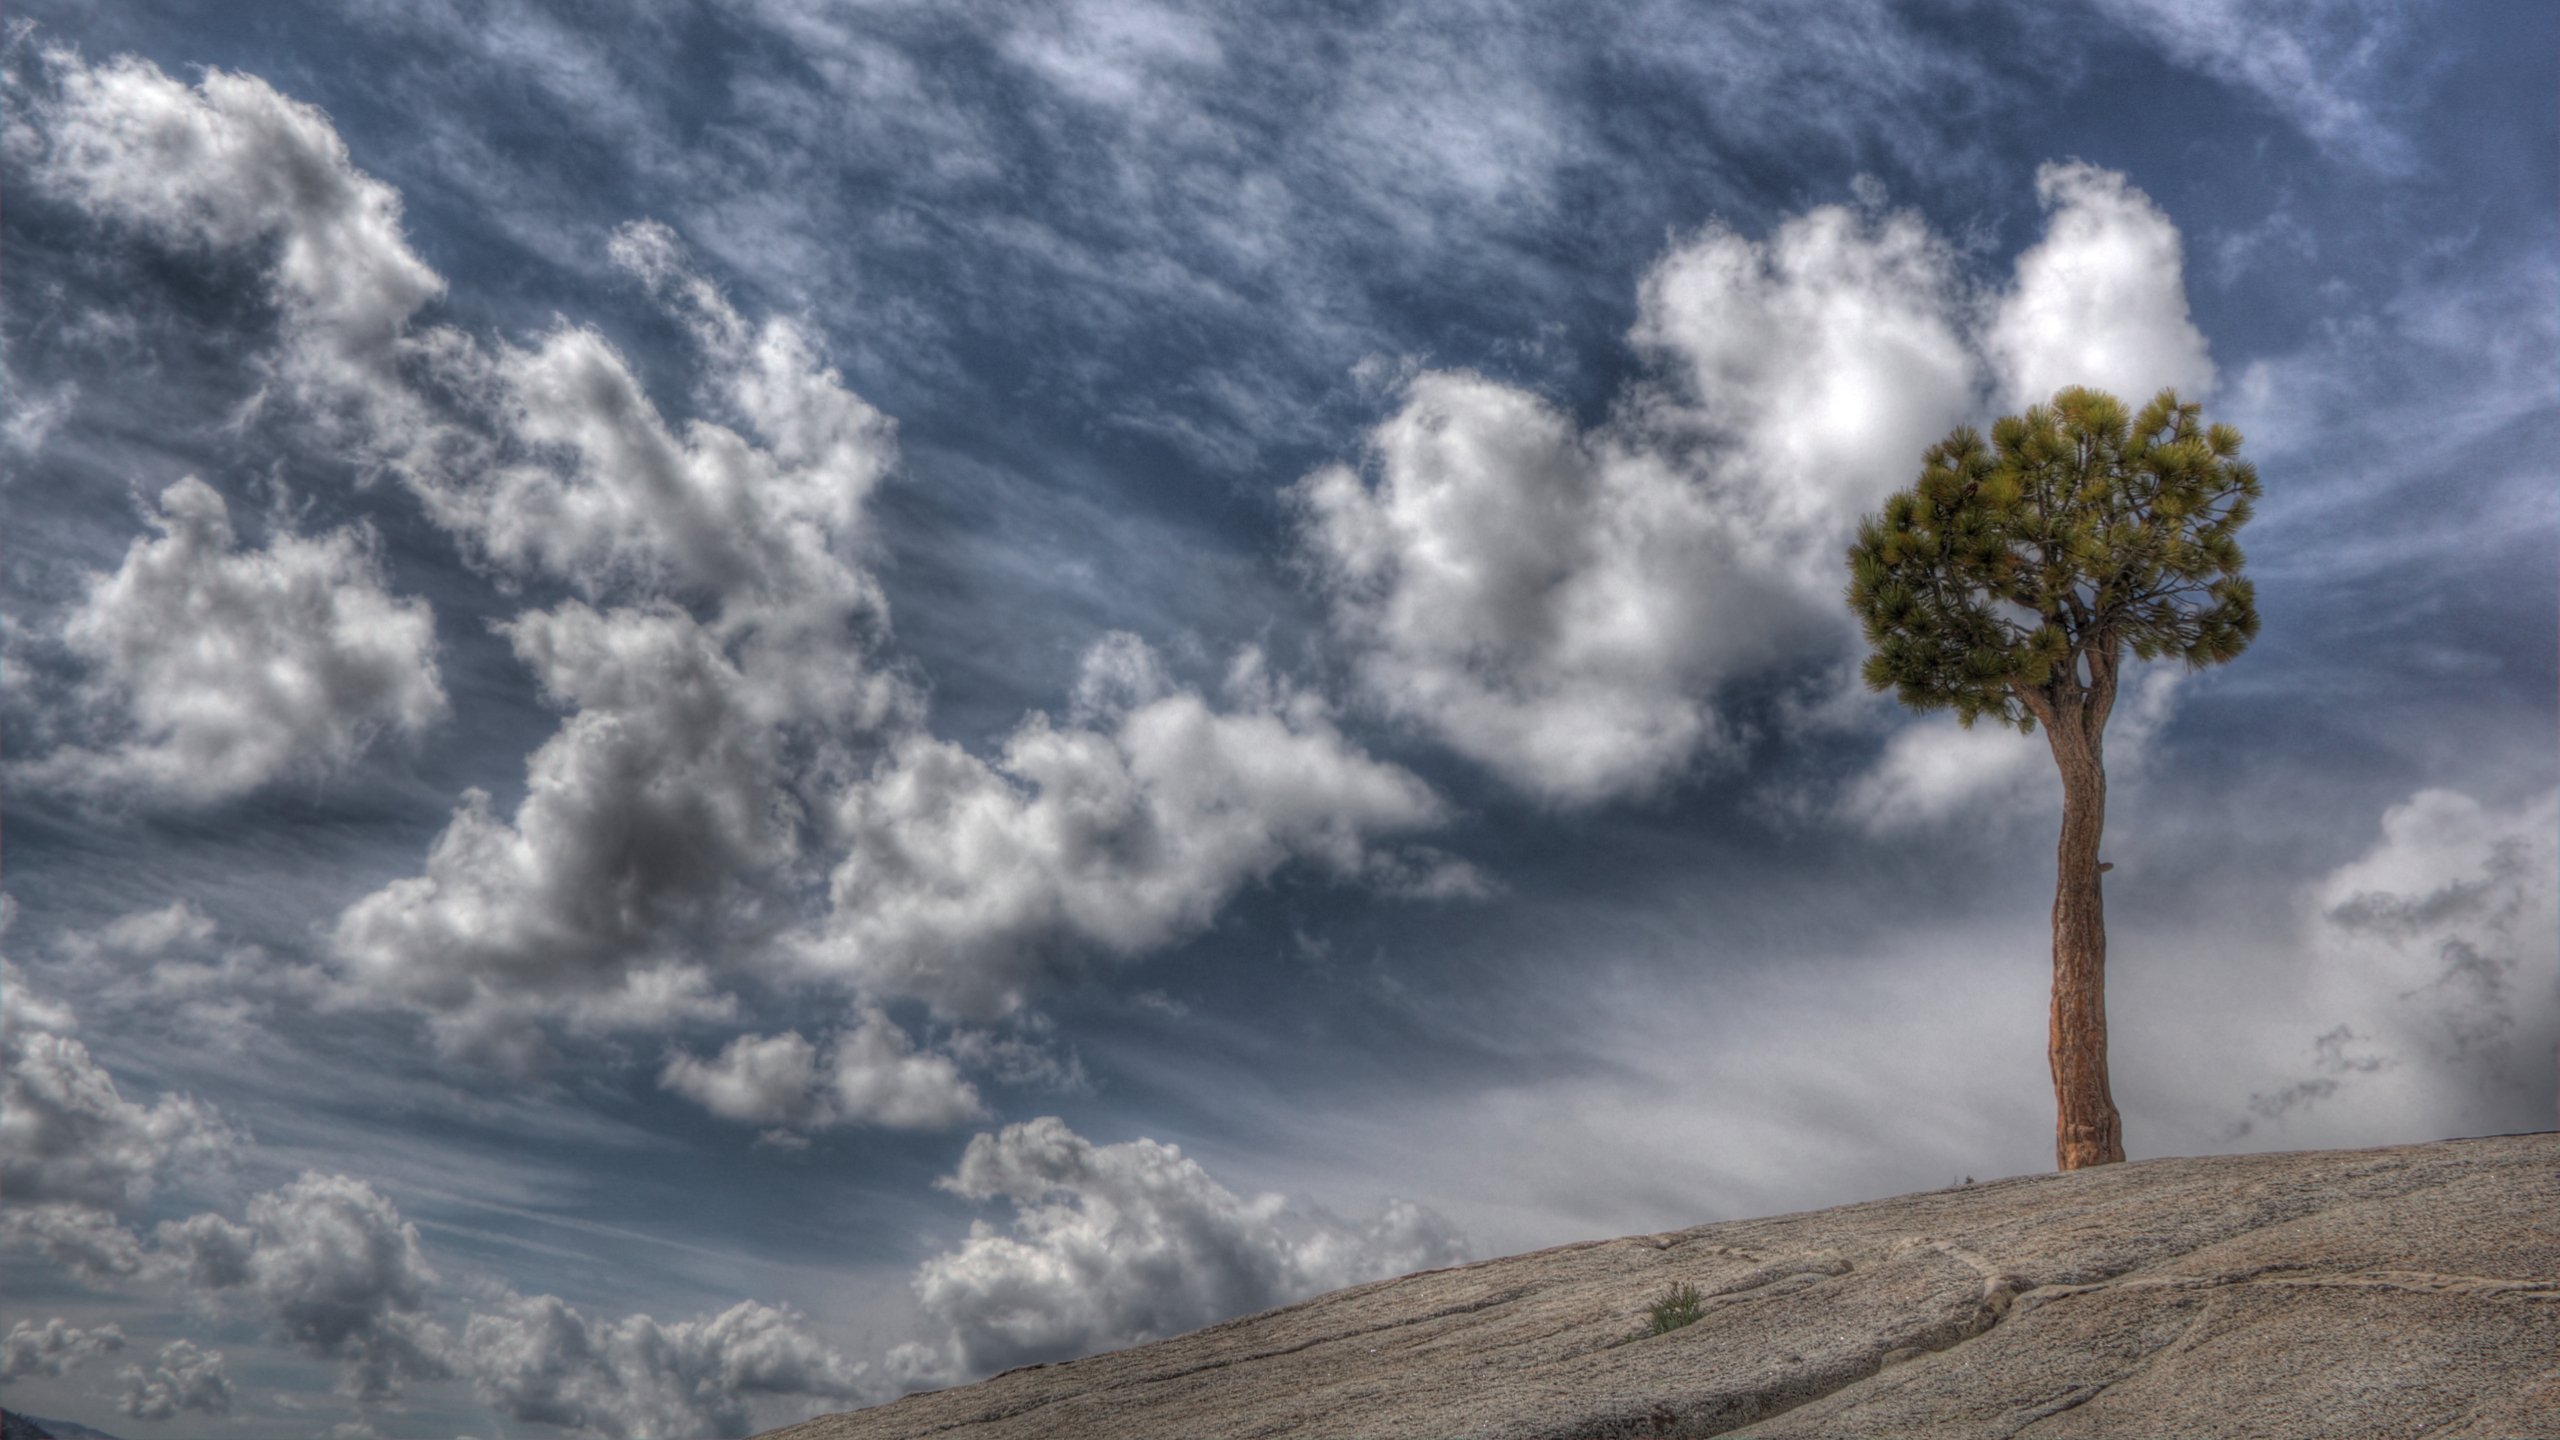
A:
<point x="14" y="1426"/>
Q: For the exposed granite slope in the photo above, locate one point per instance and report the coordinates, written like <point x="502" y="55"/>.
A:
<point x="2326" y="1295"/>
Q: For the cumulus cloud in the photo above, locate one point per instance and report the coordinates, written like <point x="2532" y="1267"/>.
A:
<point x="1114" y="1245"/>
<point x="170" y="962"/>
<point x="68" y="1136"/>
<point x="98" y="1249"/>
<point x="1544" y="607"/>
<point x="966" y="880"/>
<point x="333" y="1267"/>
<point x="2430" y="989"/>
<point x="716" y="669"/>
<point x="54" y="1347"/>
<point x="664" y="781"/>
<point x="871" y="1074"/>
<point x="76" y="1155"/>
<point x="675" y="785"/>
<point x="2100" y="301"/>
<point x="1815" y="367"/>
<point x="234" y="667"/>
<point x="611" y="494"/>
<point x="27" y="1008"/>
<point x="659" y="790"/>
<point x="539" y="1360"/>
<point x="230" y="162"/>
<point x="183" y="1378"/>
<point x="1562" y="605"/>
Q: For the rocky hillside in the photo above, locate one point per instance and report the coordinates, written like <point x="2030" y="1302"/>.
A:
<point x="2325" y="1295"/>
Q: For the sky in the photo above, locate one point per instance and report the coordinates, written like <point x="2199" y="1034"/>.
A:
<point x="717" y="709"/>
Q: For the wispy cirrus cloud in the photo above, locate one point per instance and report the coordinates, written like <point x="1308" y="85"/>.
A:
<point x="2327" y="67"/>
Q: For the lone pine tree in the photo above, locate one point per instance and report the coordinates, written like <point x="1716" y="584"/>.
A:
<point x="2010" y="581"/>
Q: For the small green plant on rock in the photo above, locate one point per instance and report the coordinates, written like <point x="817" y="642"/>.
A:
<point x="1680" y="1305"/>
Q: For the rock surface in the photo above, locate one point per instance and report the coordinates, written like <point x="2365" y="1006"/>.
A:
<point x="2330" y="1294"/>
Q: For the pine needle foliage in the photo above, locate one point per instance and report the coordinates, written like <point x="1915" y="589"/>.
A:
<point x="1680" y="1305"/>
<point x="2011" y="570"/>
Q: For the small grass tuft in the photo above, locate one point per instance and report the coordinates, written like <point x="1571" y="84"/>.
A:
<point x="1680" y="1305"/>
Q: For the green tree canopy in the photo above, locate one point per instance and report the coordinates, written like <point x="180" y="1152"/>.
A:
<point x="2015" y="572"/>
<point x="2010" y="581"/>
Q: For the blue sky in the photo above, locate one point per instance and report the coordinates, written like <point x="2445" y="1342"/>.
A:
<point x="717" y="709"/>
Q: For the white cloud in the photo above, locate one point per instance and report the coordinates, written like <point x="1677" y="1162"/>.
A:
<point x="68" y="1136"/>
<point x="1117" y="1244"/>
<point x="1562" y="606"/>
<point x="757" y="1080"/>
<point x="966" y="879"/>
<point x="333" y="1267"/>
<point x="2101" y="301"/>
<point x="27" y="1008"/>
<point x="666" y="782"/>
<point x="2430" y="992"/>
<point x="1545" y="607"/>
<point x="170" y="963"/>
<point x="716" y="675"/>
<point x="539" y="1360"/>
<point x="236" y="667"/>
<point x="92" y="1244"/>
<point x="674" y="788"/>
<point x="1934" y="769"/>
<point x="182" y="1378"/>
<point x="872" y="1075"/>
<point x="54" y="1347"/>
<point x="660" y="790"/>
<point x="1816" y="366"/>
<point x="231" y="162"/>
<point x="1111" y="54"/>
<point x="711" y="512"/>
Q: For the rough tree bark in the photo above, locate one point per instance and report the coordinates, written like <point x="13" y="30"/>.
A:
<point x="2086" y="1127"/>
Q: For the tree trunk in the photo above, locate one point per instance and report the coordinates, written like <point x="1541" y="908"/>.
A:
<point x="2086" y="1130"/>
